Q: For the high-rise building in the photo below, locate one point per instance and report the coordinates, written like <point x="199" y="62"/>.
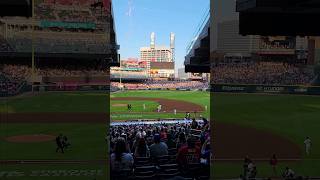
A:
<point x="160" y="59"/>
<point x="182" y="74"/>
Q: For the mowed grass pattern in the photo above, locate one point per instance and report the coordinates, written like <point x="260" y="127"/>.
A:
<point x="291" y="116"/>
<point x="57" y="102"/>
<point x="137" y="106"/>
<point x="197" y="97"/>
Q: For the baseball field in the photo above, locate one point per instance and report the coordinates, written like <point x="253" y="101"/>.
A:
<point x="256" y="125"/>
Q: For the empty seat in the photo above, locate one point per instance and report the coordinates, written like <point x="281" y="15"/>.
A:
<point x="168" y="171"/>
<point x="145" y="172"/>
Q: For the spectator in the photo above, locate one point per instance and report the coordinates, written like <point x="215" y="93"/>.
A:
<point x="142" y="150"/>
<point x="288" y="174"/>
<point x="188" y="154"/>
<point x="194" y="124"/>
<point x="158" y="148"/>
<point x="274" y="163"/>
<point x="121" y="160"/>
<point x="182" y="140"/>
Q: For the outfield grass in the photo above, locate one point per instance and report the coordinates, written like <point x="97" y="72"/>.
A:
<point x="198" y="97"/>
<point x="57" y="102"/>
<point x="291" y="116"/>
<point x="137" y="106"/>
<point x="87" y="142"/>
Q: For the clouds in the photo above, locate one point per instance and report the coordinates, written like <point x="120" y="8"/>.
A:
<point x="130" y="11"/>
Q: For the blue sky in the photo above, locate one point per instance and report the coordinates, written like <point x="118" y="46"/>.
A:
<point x="136" y="19"/>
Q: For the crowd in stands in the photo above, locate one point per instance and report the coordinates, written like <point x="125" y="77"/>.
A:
<point x="4" y="45"/>
<point x="71" y="11"/>
<point x="16" y="72"/>
<point x="9" y="86"/>
<point x="163" y="84"/>
<point x="89" y="24"/>
<point x="160" y="150"/>
<point x="267" y="73"/>
<point x="63" y="45"/>
<point x="21" y="72"/>
<point x="129" y="74"/>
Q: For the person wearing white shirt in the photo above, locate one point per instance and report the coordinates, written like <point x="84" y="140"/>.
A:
<point x="307" y="142"/>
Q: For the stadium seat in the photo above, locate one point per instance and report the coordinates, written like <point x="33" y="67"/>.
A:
<point x="145" y="172"/>
<point x="122" y="175"/>
<point x="168" y="171"/>
<point x="195" y="132"/>
<point x="172" y="151"/>
<point x="161" y="160"/>
<point x="192" y="170"/>
<point x="143" y="161"/>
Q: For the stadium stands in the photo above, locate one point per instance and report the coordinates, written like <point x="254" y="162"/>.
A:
<point x="10" y="86"/>
<point x="62" y="28"/>
<point x="160" y="150"/>
<point x="267" y="73"/>
<point x="149" y="84"/>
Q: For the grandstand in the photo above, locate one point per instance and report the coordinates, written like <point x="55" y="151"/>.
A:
<point x="160" y="149"/>
<point x="73" y="42"/>
<point x="266" y="73"/>
<point x="11" y="87"/>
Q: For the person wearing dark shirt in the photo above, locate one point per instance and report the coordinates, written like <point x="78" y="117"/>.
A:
<point x="142" y="149"/>
<point x="273" y="163"/>
<point x="189" y="153"/>
<point x="59" y="143"/>
<point x="158" y="148"/>
<point x="181" y="140"/>
<point x="194" y="124"/>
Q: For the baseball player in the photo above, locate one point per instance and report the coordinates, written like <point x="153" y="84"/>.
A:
<point x="307" y="142"/>
<point x="59" y="143"/>
<point x="144" y="106"/>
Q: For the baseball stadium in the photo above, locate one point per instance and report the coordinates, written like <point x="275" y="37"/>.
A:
<point x="65" y="115"/>
<point x="54" y="89"/>
<point x="264" y="95"/>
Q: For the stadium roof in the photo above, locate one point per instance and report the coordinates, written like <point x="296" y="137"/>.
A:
<point x="16" y="8"/>
<point x="198" y="58"/>
<point x="279" y="17"/>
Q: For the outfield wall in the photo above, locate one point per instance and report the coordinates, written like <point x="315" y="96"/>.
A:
<point x="272" y="89"/>
<point x="79" y="87"/>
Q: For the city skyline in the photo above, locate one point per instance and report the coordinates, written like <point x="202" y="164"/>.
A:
<point x="136" y="20"/>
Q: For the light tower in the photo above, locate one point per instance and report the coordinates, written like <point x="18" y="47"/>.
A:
<point x="152" y="47"/>
<point x="153" y="40"/>
<point x="172" y="46"/>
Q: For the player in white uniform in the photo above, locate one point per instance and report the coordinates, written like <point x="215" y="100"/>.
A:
<point x="307" y="142"/>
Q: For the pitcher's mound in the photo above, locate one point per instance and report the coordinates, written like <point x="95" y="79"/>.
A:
<point x="33" y="138"/>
